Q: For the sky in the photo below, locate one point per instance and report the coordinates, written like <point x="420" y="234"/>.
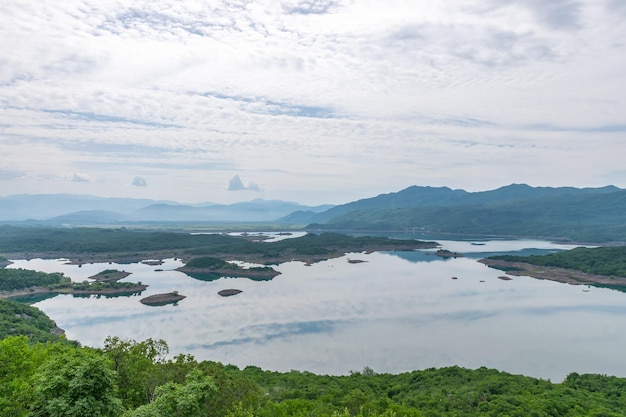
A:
<point x="312" y="101"/>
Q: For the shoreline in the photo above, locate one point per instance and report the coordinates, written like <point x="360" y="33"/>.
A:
<point x="550" y="273"/>
<point x="239" y="272"/>
<point x="70" y="291"/>
<point x="182" y="255"/>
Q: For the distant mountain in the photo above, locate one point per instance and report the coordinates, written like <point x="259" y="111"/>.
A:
<point x="67" y="209"/>
<point x="590" y="214"/>
<point x="87" y="217"/>
<point x="257" y="210"/>
<point x="44" y="206"/>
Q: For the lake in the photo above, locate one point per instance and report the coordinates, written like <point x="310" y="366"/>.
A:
<point x="395" y="312"/>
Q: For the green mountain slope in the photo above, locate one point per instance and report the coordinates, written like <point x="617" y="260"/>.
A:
<point x="594" y="214"/>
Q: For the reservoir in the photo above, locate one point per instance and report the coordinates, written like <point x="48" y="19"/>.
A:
<point x="390" y="311"/>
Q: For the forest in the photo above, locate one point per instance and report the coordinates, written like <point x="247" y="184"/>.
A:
<point x="44" y="374"/>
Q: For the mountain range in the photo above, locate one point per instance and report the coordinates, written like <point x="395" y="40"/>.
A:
<point x="581" y="214"/>
<point x="75" y="210"/>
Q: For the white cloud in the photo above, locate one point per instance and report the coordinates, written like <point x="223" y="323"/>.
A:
<point x="80" y="177"/>
<point x="139" y="182"/>
<point x="362" y="95"/>
<point x="236" y="184"/>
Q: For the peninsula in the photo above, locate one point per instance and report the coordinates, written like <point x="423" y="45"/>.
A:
<point x="602" y="266"/>
<point x="21" y="282"/>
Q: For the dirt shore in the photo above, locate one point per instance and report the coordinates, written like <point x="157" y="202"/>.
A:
<point x="568" y="276"/>
<point x="67" y="290"/>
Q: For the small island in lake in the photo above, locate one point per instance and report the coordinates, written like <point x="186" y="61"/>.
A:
<point x="162" y="299"/>
<point x="444" y="253"/>
<point x="356" y="261"/>
<point x="229" y="292"/>
<point x="110" y="275"/>
<point x="207" y="264"/>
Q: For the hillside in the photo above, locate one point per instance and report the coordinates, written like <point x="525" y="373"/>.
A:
<point x="589" y="214"/>
<point x="20" y="319"/>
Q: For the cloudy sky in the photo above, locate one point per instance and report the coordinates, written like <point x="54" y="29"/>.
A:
<point x="314" y="101"/>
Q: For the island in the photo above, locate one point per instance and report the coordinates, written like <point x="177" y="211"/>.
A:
<point x="210" y="265"/>
<point x="110" y="275"/>
<point x="162" y="299"/>
<point x="444" y="253"/>
<point x="229" y="292"/>
<point x="356" y="261"/>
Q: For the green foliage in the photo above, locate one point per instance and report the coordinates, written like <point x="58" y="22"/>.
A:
<point x="136" y="365"/>
<point x="19" y="360"/>
<point x="604" y="260"/>
<point x="450" y="391"/>
<point x="102" y="285"/>
<point x="142" y="367"/>
<point x="78" y="382"/>
<point x="207" y="262"/>
<point x="179" y="400"/>
<point x="21" y="319"/>
<point x="63" y="380"/>
<point x="19" y="279"/>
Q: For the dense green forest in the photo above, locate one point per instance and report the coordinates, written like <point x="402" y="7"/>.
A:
<point x="135" y="379"/>
<point x="604" y="260"/>
<point x="21" y="319"/>
<point x="19" y="279"/>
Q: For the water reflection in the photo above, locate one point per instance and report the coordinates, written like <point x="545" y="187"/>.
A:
<point x="211" y="276"/>
<point x="395" y="312"/>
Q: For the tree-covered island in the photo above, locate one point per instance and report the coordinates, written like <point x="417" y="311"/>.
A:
<point x="110" y="275"/>
<point x="210" y="265"/>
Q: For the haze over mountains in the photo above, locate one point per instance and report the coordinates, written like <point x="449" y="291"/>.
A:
<point x="590" y="214"/>
<point x="69" y="209"/>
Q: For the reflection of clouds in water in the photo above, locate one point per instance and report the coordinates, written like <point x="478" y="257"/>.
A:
<point x="267" y="332"/>
<point x="391" y="313"/>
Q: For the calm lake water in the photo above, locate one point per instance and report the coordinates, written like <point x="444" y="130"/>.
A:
<point x="395" y="312"/>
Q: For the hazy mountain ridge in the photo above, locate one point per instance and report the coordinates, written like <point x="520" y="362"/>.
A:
<point x="68" y="209"/>
<point x="45" y="206"/>
<point x="583" y="214"/>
